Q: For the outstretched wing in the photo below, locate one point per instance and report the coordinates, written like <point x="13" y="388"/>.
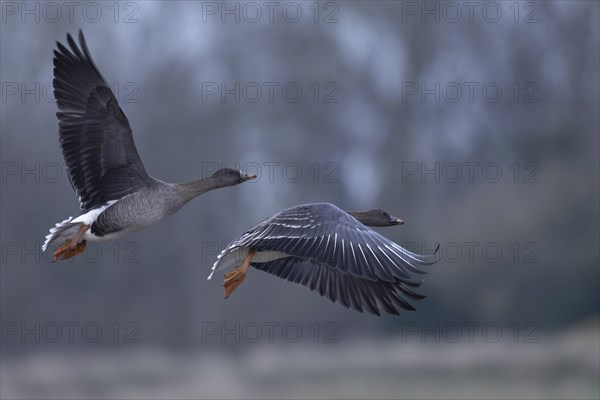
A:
<point x="343" y="288"/>
<point x="96" y="140"/>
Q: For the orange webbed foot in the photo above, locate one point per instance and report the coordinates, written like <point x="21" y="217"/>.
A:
<point x="234" y="278"/>
<point x="69" y="249"/>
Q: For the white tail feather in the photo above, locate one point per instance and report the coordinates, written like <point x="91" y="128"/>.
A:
<point x="55" y="232"/>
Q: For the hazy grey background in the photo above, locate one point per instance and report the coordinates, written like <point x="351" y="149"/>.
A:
<point x="542" y="290"/>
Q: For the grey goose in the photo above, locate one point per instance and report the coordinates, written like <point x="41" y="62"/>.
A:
<point x="332" y="252"/>
<point x="115" y="192"/>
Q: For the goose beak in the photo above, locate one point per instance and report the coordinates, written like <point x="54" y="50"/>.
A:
<point x="247" y="177"/>
<point x="396" y="221"/>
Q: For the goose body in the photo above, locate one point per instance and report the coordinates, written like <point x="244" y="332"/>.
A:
<point x="332" y="252"/>
<point x="116" y="193"/>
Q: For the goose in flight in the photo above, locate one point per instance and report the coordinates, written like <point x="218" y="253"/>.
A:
<point x="332" y="252"/>
<point x="115" y="192"/>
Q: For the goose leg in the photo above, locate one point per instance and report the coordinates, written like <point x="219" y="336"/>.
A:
<point x="234" y="278"/>
<point x="71" y="247"/>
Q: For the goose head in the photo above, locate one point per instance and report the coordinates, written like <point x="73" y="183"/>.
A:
<point x="230" y="177"/>
<point x="376" y="217"/>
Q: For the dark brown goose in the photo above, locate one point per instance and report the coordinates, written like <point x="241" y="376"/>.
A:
<point x="332" y="252"/>
<point x="115" y="192"/>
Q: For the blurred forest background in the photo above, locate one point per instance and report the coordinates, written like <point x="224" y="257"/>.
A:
<point x="354" y="103"/>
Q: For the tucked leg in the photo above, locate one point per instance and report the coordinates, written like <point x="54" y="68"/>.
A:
<point x="234" y="278"/>
<point x="71" y="247"/>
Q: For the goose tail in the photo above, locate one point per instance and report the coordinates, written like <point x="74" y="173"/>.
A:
<point x="61" y="232"/>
